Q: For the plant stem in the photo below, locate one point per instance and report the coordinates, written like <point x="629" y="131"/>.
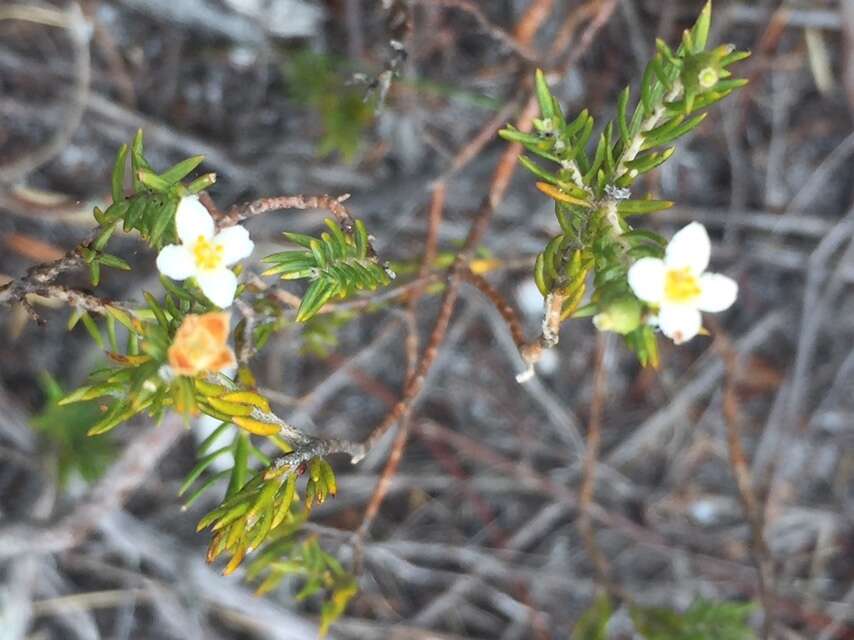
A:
<point x="633" y="148"/>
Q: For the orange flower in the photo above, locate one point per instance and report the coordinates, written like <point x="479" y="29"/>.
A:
<point x="200" y="345"/>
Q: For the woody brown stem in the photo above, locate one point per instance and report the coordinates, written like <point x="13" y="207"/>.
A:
<point x="747" y="494"/>
<point x="38" y="278"/>
<point x="588" y="473"/>
<point x="335" y="206"/>
<point x="434" y="220"/>
<point x="507" y="312"/>
<point x="240" y="212"/>
<point x="548" y="339"/>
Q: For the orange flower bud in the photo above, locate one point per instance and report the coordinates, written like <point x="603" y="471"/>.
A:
<point x="200" y="345"/>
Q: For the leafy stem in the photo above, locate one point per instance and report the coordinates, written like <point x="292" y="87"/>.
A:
<point x="592" y="192"/>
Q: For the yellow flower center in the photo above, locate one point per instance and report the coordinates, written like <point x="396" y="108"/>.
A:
<point x="207" y="254"/>
<point x="681" y="285"/>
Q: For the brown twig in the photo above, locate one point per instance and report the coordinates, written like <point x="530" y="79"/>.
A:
<point x="599" y="12"/>
<point x="475" y="145"/>
<point x="434" y="221"/>
<point x="415" y="382"/>
<point x="399" y="445"/>
<point x="525" y="31"/>
<point x="305" y="446"/>
<point x="747" y="494"/>
<point x="518" y="45"/>
<point x="501" y="179"/>
<point x="118" y="69"/>
<point x="246" y="347"/>
<point x="400" y="291"/>
<point x="564" y="36"/>
<point x="507" y="312"/>
<point x="40" y="276"/>
<point x="209" y="204"/>
<point x="78" y="299"/>
<point x="532" y="19"/>
<point x="588" y="472"/>
<point x="498" y="187"/>
<point x="240" y="212"/>
<point x="38" y="280"/>
<point x="335" y="206"/>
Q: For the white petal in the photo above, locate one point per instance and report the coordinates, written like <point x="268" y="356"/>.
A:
<point x="680" y="323"/>
<point x="717" y="292"/>
<point x="193" y="220"/>
<point x="689" y="247"/>
<point x="646" y="278"/>
<point x="176" y="262"/>
<point x="219" y="286"/>
<point x="236" y="244"/>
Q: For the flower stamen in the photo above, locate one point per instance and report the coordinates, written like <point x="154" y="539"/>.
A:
<point x="208" y="255"/>
<point x="681" y="285"/>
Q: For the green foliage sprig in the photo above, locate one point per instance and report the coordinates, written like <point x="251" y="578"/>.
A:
<point x="263" y="506"/>
<point x="260" y="505"/>
<point x="592" y="193"/>
<point x="703" y="620"/>
<point x="65" y="427"/>
<point x="148" y="209"/>
<point x="337" y="264"/>
<point x="321" y="573"/>
<point x="266" y="513"/>
<point x="316" y="82"/>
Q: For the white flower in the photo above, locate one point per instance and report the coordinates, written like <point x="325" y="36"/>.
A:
<point x="678" y="285"/>
<point x="203" y="254"/>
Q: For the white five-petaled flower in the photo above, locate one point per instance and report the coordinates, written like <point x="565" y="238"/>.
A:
<point x="678" y="285"/>
<point x="203" y="253"/>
